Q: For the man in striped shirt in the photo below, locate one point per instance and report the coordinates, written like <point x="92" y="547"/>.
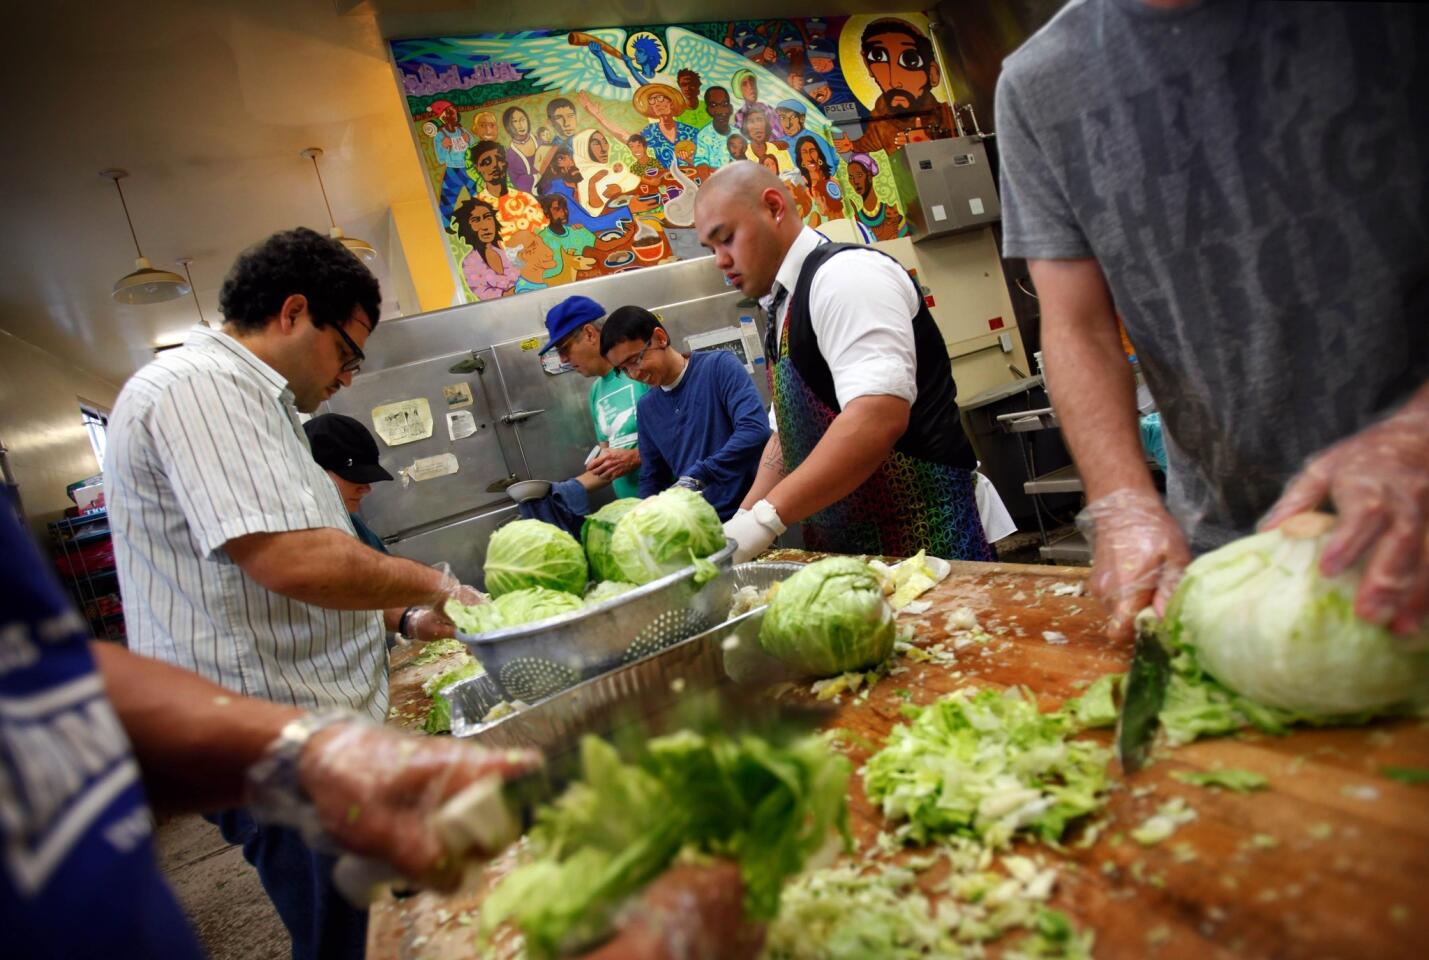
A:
<point x="236" y="556"/>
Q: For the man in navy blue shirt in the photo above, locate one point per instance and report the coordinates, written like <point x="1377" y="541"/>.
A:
<point x="704" y="428"/>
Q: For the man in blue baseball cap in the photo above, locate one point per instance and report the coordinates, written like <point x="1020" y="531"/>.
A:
<point x="573" y="326"/>
<point x="792" y="116"/>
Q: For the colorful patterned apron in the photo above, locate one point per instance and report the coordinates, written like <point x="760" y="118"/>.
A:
<point x="908" y="504"/>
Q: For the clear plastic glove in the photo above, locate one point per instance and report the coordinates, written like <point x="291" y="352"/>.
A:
<point x="1378" y="481"/>
<point x="376" y="792"/>
<point x="450" y="588"/>
<point x="690" y="912"/>
<point x="754" y="530"/>
<point x="426" y="623"/>
<point x="1138" y="555"/>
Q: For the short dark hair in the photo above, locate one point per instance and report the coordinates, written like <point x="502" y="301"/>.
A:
<point x="298" y="261"/>
<point x="483" y="146"/>
<point x="687" y="73"/>
<point x="549" y="200"/>
<point x="637" y="138"/>
<point x="628" y="323"/>
<point x="710" y="90"/>
<point x="557" y="104"/>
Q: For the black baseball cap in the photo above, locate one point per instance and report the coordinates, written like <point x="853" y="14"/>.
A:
<point x="344" y="446"/>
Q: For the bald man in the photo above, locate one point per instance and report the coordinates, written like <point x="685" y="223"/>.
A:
<point x="868" y="452"/>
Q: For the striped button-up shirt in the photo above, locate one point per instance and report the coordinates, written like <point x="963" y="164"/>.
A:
<point x="205" y="446"/>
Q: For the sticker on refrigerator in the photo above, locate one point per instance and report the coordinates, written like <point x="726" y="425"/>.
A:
<point x="429" y="468"/>
<point x="403" y="422"/>
<point x="975" y="205"/>
<point x="457" y="395"/>
<point x="940" y="212"/>
<point x="551" y="363"/>
<point x="460" y="424"/>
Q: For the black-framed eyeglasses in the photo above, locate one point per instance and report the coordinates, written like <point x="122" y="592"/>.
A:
<point x="353" y="364"/>
<point x="628" y="365"/>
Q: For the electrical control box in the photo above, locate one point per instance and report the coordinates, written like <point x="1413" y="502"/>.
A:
<point x="948" y="186"/>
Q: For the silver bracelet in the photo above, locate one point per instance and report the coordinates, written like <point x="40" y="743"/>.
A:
<point x="272" y="787"/>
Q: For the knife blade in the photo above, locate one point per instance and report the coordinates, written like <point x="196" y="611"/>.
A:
<point x="1146" y="683"/>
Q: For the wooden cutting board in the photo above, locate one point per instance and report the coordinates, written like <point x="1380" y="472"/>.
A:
<point x="1347" y="878"/>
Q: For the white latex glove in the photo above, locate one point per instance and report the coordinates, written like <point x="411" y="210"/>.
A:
<point x="754" y="530"/>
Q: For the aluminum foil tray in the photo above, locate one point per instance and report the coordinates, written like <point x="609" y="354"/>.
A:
<point x="634" y="693"/>
<point x="533" y="661"/>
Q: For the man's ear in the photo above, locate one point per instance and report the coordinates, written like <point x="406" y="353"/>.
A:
<point x="292" y="310"/>
<point x="935" y="76"/>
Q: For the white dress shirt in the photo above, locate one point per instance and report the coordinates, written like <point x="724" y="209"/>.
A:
<point x="205" y="446"/>
<point x="862" y="307"/>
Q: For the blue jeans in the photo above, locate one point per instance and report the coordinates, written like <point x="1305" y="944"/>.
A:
<point x="455" y="179"/>
<point x="322" y="924"/>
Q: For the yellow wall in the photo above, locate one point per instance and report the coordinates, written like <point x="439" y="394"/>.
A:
<point x="964" y="274"/>
<point x="39" y="423"/>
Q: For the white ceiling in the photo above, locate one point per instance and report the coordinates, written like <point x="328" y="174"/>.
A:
<point x="207" y="105"/>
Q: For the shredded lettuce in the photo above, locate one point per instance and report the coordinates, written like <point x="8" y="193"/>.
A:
<point x="436" y="649"/>
<point x="1240" y="781"/>
<point x="768" y="807"/>
<point x="986" y="765"/>
<point x="1096" y="707"/>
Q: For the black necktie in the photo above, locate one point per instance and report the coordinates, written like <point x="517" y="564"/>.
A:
<point x="771" y="325"/>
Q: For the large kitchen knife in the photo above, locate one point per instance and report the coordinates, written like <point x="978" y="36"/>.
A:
<point x="1145" y="692"/>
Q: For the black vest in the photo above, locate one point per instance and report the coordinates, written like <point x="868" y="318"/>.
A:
<point x="935" y="433"/>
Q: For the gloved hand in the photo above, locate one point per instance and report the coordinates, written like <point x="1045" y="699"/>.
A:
<point x="1138" y="555"/>
<point x="690" y="912"/>
<point x="376" y="792"/>
<point x="1378" y="480"/>
<point x="754" y="530"/>
<point x="430" y="622"/>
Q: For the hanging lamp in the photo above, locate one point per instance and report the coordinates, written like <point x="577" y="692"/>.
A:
<point x="184" y="262"/>
<point x="145" y="284"/>
<point x="361" y="249"/>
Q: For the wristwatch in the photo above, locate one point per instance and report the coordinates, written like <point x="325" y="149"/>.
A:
<point x="272" y="787"/>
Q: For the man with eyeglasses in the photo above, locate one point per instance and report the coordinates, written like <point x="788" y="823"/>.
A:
<point x="235" y="553"/>
<point x="704" y="428"/>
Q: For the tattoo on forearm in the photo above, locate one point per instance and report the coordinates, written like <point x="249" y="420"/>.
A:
<point x="774" y="455"/>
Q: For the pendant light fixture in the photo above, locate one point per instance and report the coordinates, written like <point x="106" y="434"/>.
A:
<point x="361" y="249"/>
<point x="184" y="262"/>
<point x="145" y="284"/>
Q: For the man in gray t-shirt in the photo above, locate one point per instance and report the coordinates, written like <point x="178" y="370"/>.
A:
<point x="1245" y="184"/>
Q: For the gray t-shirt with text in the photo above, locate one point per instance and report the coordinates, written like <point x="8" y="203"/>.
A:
<point x="1251" y="178"/>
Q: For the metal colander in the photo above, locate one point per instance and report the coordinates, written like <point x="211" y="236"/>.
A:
<point x="535" y="660"/>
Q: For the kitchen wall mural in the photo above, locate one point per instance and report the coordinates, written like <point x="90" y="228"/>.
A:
<point x="560" y="156"/>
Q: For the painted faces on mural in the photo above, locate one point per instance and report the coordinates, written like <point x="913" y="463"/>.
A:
<point x="660" y="106"/>
<point x="485" y="126"/>
<point x="482" y="222"/>
<point x="640" y="151"/>
<point x="719" y="108"/>
<point x="559" y="213"/>
<point x="738" y="146"/>
<point x="518" y="124"/>
<point x="859" y="179"/>
<point x="756" y="127"/>
<point x="450" y="118"/>
<point x="900" y="61"/>
<point x="491" y="165"/>
<point x="749" y="89"/>
<point x="564" y="117"/>
<point x="689" y="82"/>
<point x="808" y="154"/>
<point x="791" y="120"/>
<point x="565" y="166"/>
<point x="819" y="90"/>
<point x="599" y="148"/>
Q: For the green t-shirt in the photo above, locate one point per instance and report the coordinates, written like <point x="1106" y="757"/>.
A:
<point x="574" y="241"/>
<point x="612" y="410"/>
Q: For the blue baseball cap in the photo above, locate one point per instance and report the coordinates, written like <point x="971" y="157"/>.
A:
<point x="568" y="316"/>
<point x="793" y="105"/>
